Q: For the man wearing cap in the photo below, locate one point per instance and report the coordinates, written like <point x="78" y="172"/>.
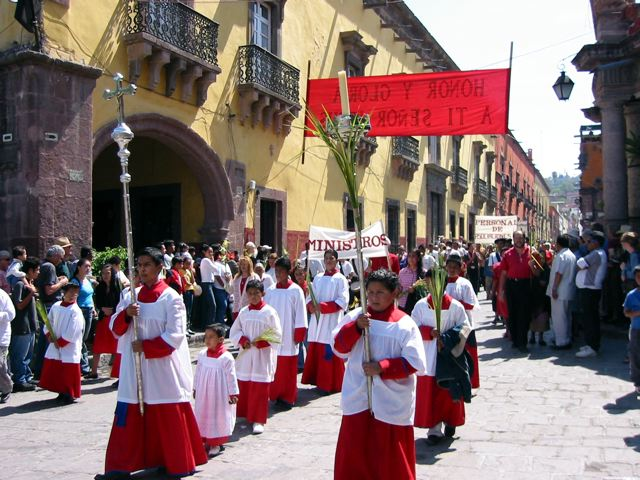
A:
<point x="515" y="287"/>
<point x="561" y="290"/>
<point x="589" y="279"/>
<point x="62" y="268"/>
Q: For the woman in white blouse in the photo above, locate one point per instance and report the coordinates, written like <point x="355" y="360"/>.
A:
<point x="245" y="273"/>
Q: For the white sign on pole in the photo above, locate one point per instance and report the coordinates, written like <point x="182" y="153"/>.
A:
<point x="490" y="228"/>
<point x="374" y="242"/>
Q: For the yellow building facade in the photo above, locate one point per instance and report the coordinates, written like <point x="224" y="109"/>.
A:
<point x="218" y="123"/>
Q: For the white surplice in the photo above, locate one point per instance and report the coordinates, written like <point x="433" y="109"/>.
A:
<point x="214" y="381"/>
<point x="393" y="401"/>
<point x="167" y="379"/>
<point x="328" y="288"/>
<point x="256" y="364"/>
<point x="67" y="323"/>
<point x="425" y="316"/>
<point x="291" y="307"/>
<point x="462" y="290"/>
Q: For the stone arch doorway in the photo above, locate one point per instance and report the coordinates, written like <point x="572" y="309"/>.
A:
<point x="179" y="190"/>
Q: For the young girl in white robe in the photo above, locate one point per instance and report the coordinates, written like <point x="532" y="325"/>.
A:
<point x="256" y="363"/>
<point x="61" y="368"/>
<point x="215" y="389"/>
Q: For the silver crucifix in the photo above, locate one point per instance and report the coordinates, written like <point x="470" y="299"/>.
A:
<point x="119" y="93"/>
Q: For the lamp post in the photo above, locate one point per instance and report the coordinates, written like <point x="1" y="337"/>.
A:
<point x="563" y="86"/>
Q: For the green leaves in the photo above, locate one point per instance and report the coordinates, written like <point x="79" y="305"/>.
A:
<point x="42" y="313"/>
<point x="436" y="286"/>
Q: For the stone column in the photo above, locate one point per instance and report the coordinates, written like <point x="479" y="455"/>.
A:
<point x="45" y="158"/>
<point x="614" y="164"/>
<point x="632" y="118"/>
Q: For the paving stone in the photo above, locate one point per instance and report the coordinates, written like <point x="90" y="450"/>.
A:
<point x="542" y="417"/>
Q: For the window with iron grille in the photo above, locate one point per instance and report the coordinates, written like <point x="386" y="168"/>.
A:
<point x="393" y="221"/>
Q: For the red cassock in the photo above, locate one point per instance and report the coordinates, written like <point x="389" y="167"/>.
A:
<point x="104" y="341"/>
<point x="167" y="435"/>
<point x="391" y="450"/>
<point x="60" y="377"/>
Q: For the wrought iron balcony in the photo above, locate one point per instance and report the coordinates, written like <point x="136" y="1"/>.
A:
<point x="459" y="182"/>
<point x="480" y="192"/>
<point x="481" y="188"/>
<point x="268" y="88"/>
<point x="173" y="36"/>
<point x="405" y="156"/>
<point x="493" y="196"/>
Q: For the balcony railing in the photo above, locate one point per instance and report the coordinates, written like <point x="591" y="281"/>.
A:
<point x="494" y="195"/>
<point x="176" y="24"/>
<point x="481" y="188"/>
<point x="258" y="67"/>
<point x="405" y="155"/>
<point x="407" y="148"/>
<point x="460" y="178"/>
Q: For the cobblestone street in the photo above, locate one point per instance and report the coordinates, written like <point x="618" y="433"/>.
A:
<point x="545" y="416"/>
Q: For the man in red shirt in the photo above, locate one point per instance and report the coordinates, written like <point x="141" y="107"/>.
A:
<point x="515" y="287"/>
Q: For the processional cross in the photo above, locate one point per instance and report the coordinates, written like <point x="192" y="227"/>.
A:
<point x="122" y="135"/>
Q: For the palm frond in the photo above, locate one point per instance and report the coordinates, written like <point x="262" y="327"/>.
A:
<point x="343" y="144"/>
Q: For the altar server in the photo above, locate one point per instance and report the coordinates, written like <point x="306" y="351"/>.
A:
<point x="378" y="444"/>
<point x="257" y="332"/>
<point x="331" y="289"/>
<point x="287" y="299"/>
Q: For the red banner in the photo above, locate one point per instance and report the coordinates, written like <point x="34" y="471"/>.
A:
<point x="421" y="104"/>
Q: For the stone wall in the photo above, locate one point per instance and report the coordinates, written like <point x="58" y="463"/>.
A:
<point x="45" y="152"/>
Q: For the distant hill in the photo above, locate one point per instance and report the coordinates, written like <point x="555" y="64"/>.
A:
<point x="561" y="184"/>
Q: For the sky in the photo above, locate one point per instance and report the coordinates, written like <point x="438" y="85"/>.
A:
<point x="545" y="34"/>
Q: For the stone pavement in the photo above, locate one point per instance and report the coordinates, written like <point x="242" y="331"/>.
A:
<point x="545" y="416"/>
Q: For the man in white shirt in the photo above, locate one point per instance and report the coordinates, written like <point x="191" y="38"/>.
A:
<point x="589" y="279"/>
<point x="561" y="291"/>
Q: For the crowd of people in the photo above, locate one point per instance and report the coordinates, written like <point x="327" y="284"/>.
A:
<point x="423" y="366"/>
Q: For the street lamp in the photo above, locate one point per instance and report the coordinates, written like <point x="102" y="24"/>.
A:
<point x="563" y="86"/>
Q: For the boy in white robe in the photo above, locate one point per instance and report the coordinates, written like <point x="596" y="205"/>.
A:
<point x="61" y="367"/>
<point x="287" y="299"/>
<point x="434" y="404"/>
<point x="378" y="444"/>
<point x="322" y="368"/>
<point x="461" y="289"/>
<point x="167" y="435"/>
<point x="256" y="363"/>
<point x="215" y="389"/>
